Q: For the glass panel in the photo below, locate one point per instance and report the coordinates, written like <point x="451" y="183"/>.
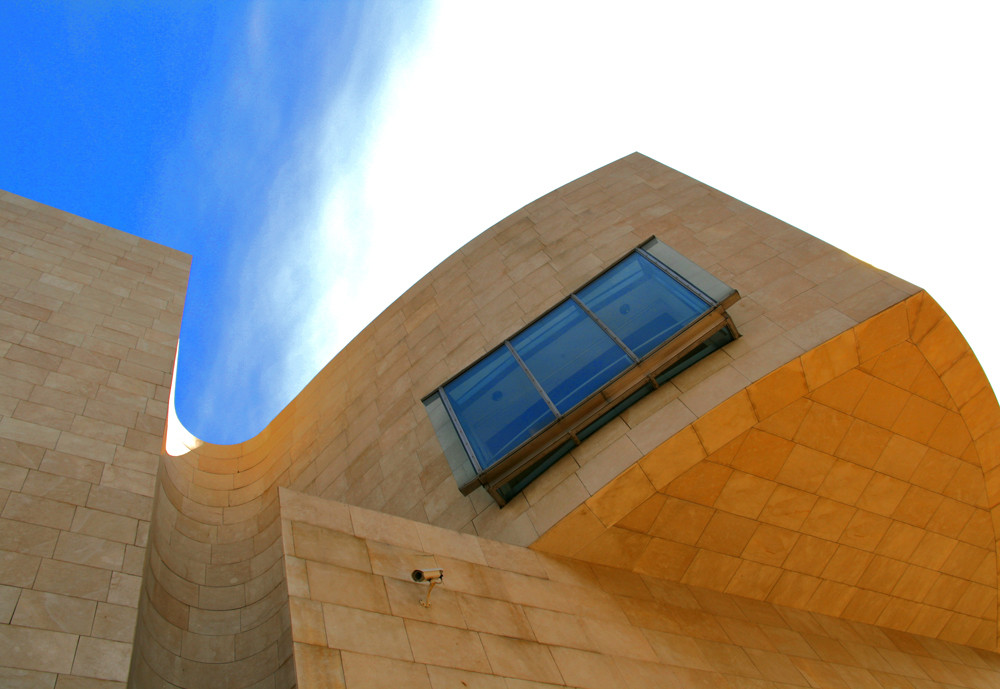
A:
<point x="497" y="406"/>
<point x="641" y="304"/>
<point x="569" y="355"/>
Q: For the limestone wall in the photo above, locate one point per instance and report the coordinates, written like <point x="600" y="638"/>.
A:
<point x="857" y="480"/>
<point x="511" y="618"/>
<point x="360" y="431"/>
<point x="89" y="319"/>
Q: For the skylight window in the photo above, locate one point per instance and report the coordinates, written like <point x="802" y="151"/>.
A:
<point x="513" y="413"/>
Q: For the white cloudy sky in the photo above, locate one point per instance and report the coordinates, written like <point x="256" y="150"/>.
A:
<point x="332" y="153"/>
<point x="872" y="126"/>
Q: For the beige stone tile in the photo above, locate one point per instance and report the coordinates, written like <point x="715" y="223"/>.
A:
<point x="828" y="519"/>
<point x="17" y="569"/>
<point x="678" y="651"/>
<point x="317" y="667"/>
<point x="373" y="672"/>
<point x="11" y="477"/>
<point x="764" y="359"/>
<point x="27" y="539"/>
<point x="520" y="659"/>
<point x="8" y="601"/>
<point x="681" y="521"/>
<point x="41" y="511"/>
<point x="770" y="545"/>
<point x="881" y="332"/>
<point x="585" y="669"/>
<point x="29" y="679"/>
<point x="663" y="423"/>
<point x="73" y="580"/>
<point x="810" y="555"/>
<point x="715" y="391"/>
<point x="967" y="485"/>
<point x="384" y="528"/>
<point x="793" y="589"/>
<point x="621" y="496"/>
<point x="494" y="616"/>
<point x="673" y="457"/>
<point x="917" y="506"/>
<point x="308" y="625"/>
<point x="434" y="539"/>
<point x="607" y="464"/>
<point x="823" y="428"/>
<point x="102" y="524"/>
<point x="863" y="443"/>
<point x="865" y="530"/>
<point x="881" y="404"/>
<point x="711" y="570"/>
<point x="572" y="532"/>
<point x="846" y="565"/>
<point x="115" y="622"/>
<point x="615" y="548"/>
<point x="124" y="589"/>
<point x="558" y="629"/>
<point x="512" y="558"/>
<point x="559" y="502"/>
<point x="88" y="550"/>
<point x="450" y="678"/>
<point x="725" y="422"/>
<point x="316" y="511"/>
<point x="56" y="612"/>
<point x="58" y="488"/>
<point x="727" y="533"/>
<point x="365" y="632"/>
<point x="762" y="454"/>
<point x="845" y="482"/>
<point x="745" y="495"/>
<point x="324" y="545"/>
<point x="446" y="646"/>
<point x="806" y="469"/>
<point x="26" y="432"/>
<point x="36" y="649"/>
<point x="785" y="422"/>
<point x="701" y="484"/>
<point x="333" y="584"/>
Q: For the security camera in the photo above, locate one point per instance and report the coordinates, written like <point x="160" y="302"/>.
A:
<point x="427" y="575"/>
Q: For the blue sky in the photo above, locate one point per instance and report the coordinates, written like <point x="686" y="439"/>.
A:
<point x="318" y="158"/>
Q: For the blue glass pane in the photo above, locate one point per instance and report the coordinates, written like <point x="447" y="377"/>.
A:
<point x="569" y="355"/>
<point x="641" y="304"/>
<point x="497" y="406"/>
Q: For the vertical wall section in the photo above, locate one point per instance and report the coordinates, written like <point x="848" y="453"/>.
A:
<point x="89" y="319"/>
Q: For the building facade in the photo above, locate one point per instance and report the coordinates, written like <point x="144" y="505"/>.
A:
<point x="811" y="504"/>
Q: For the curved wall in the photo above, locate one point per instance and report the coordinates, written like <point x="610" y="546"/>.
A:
<point x="213" y="606"/>
<point x="849" y="482"/>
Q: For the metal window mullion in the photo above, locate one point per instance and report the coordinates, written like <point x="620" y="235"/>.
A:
<point x="676" y="276"/>
<point x="603" y="326"/>
<point x="461" y="431"/>
<point x="531" y="377"/>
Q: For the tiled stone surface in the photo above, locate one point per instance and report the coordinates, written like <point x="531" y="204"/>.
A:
<point x="84" y="394"/>
<point x="89" y="318"/>
<point x="358" y="432"/>
<point x="848" y="482"/>
<point x="537" y="620"/>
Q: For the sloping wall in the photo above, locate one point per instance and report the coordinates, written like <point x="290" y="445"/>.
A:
<point x="852" y="481"/>
<point x="358" y="433"/>
<point x="507" y="617"/>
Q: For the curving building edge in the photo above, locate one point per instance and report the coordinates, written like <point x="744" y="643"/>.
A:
<point x="824" y="483"/>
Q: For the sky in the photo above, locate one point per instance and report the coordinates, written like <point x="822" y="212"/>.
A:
<point x="317" y="158"/>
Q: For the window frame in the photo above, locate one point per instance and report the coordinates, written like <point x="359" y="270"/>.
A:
<point x="508" y="475"/>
